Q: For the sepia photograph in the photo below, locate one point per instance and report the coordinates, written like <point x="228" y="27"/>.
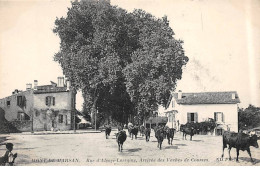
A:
<point x="129" y="82"/>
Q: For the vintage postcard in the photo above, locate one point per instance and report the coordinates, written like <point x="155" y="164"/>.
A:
<point x="129" y="83"/>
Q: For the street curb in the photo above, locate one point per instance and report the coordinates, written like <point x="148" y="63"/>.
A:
<point x="50" y="133"/>
<point x="55" y="133"/>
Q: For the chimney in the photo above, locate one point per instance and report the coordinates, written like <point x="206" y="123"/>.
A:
<point x="68" y="85"/>
<point x="35" y="84"/>
<point x="28" y="86"/>
<point x="179" y="94"/>
<point x="60" y="82"/>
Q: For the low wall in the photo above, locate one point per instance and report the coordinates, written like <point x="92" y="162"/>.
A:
<point x="24" y="125"/>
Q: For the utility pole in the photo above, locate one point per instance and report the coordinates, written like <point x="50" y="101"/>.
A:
<point x="96" y="119"/>
<point x="156" y="116"/>
<point x="74" y="126"/>
<point x="32" y="123"/>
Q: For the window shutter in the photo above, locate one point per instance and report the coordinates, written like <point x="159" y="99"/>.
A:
<point x="66" y="119"/>
<point x="46" y="101"/>
<point x="196" y="117"/>
<point x="50" y="99"/>
<point x="215" y="116"/>
<point x="222" y="117"/>
<point x="53" y="100"/>
<point x="188" y="117"/>
<point x="24" y="101"/>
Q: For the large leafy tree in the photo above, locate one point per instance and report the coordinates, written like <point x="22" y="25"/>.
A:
<point x="249" y="117"/>
<point x="124" y="63"/>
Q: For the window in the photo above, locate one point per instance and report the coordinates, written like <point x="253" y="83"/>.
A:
<point x="20" y="116"/>
<point x="218" y="116"/>
<point x="192" y="117"/>
<point x="19" y="100"/>
<point x="60" y="118"/>
<point x="50" y="100"/>
<point x="8" y="103"/>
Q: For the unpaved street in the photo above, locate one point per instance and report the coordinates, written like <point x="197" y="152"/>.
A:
<point x="94" y="149"/>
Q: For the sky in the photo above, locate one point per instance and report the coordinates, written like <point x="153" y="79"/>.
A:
<point x="221" y="39"/>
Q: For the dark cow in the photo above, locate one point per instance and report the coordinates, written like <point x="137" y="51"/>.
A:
<point x="170" y="135"/>
<point x="187" y="131"/>
<point x="160" y="135"/>
<point x="134" y="132"/>
<point x="120" y="138"/>
<point x="240" y="141"/>
<point x="107" y="131"/>
<point x="142" y="128"/>
<point x="147" y="133"/>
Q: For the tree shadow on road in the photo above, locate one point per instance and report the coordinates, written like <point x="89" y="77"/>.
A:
<point x="134" y="150"/>
<point x="171" y="147"/>
<point x="181" y="144"/>
<point x="28" y="148"/>
<point x="2" y="139"/>
<point x="247" y="159"/>
<point x="198" y="140"/>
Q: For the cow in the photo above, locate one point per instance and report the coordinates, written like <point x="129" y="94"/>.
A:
<point x="170" y="135"/>
<point x="187" y="131"/>
<point x="147" y="133"/>
<point x="107" y="131"/>
<point x="134" y="132"/>
<point x="240" y="141"/>
<point x="142" y="128"/>
<point x="120" y="138"/>
<point x="160" y="135"/>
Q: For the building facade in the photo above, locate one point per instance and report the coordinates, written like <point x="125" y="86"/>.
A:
<point x="222" y="107"/>
<point x="48" y="107"/>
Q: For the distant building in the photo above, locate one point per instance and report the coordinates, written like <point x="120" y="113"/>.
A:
<point x="184" y="108"/>
<point x="48" y="107"/>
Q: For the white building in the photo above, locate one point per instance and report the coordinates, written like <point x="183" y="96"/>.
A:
<point x="197" y="107"/>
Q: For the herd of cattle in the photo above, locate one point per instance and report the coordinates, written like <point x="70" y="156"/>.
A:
<point x="240" y="141"/>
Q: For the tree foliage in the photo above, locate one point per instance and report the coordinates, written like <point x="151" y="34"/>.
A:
<point x="124" y="63"/>
<point x="249" y="118"/>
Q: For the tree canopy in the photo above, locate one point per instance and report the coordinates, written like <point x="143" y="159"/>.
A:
<point x="124" y="63"/>
<point x="249" y="117"/>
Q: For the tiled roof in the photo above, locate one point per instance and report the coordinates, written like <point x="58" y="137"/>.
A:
<point x="207" y="98"/>
<point x="49" y="89"/>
